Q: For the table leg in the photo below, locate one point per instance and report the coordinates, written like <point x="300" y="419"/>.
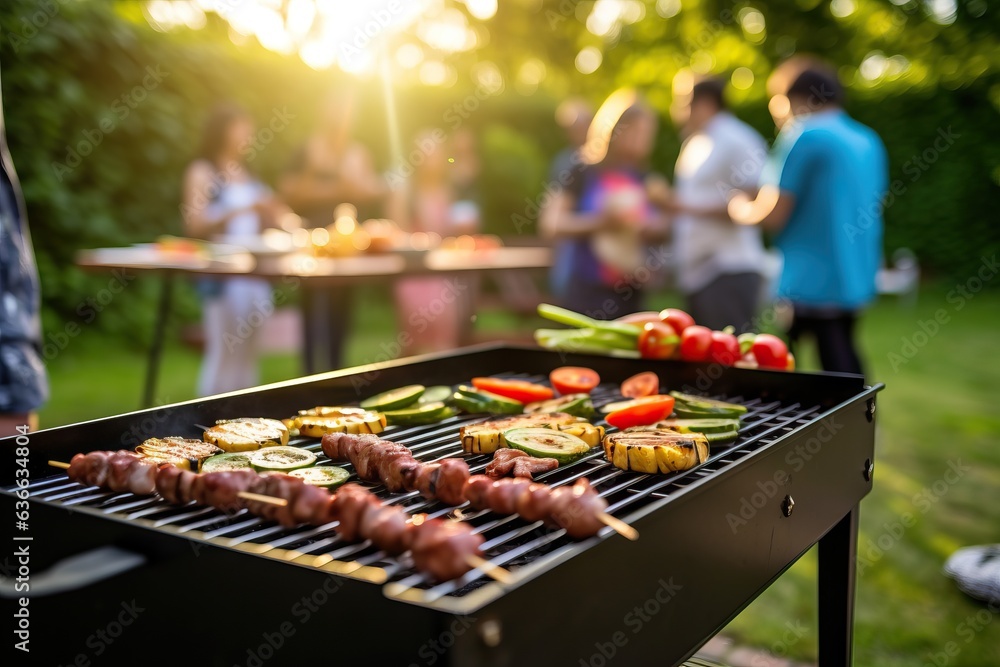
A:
<point x="837" y="569"/>
<point x="159" y="331"/>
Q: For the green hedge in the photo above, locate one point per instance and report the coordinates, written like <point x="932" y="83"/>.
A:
<point x="73" y="83"/>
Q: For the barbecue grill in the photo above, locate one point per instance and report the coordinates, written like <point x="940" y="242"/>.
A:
<point x="207" y="588"/>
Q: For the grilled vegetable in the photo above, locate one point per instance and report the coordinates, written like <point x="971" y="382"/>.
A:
<point x="394" y="399"/>
<point x="691" y="406"/>
<point x="642" y="411"/>
<point x="281" y="458"/>
<point x="641" y="384"/>
<point x="655" y="450"/>
<point x="474" y="401"/>
<point x="182" y="452"/>
<point x="584" y="430"/>
<point x="621" y="405"/>
<point x="436" y="394"/>
<point x="574" y="380"/>
<point x="547" y="443"/>
<point x="521" y="391"/>
<point x="486" y="437"/>
<point x="317" y="422"/>
<point x="247" y="434"/>
<point x="700" y="425"/>
<point x="227" y="461"/>
<point x="427" y="413"/>
<point x="578" y="405"/>
<point x="326" y="476"/>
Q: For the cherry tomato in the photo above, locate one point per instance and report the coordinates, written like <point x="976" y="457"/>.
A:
<point x="574" y="380"/>
<point x="791" y="362"/>
<point x="770" y="351"/>
<point x="640" y="318"/>
<point x="678" y="319"/>
<point x="642" y="412"/>
<point x="518" y="390"/>
<point x="643" y="384"/>
<point x="695" y="343"/>
<point x="724" y="348"/>
<point x="658" y="340"/>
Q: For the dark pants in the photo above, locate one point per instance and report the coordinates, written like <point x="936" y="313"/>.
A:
<point x="600" y="301"/>
<point x="326" y="317"/>
<point x="729" y="300"/>
<point x="834" y="338"/>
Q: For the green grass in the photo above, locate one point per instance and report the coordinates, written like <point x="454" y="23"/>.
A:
<point x="939" y="406"/>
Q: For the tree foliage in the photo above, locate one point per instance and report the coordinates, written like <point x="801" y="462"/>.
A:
<point x="103" y="112"/>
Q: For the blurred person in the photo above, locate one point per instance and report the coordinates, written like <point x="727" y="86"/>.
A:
<point x="223" y="198"/>
<point x="23" y="381"/>
<point x="431" y="310"/>
<point x="329" y="170"/>
<point x="604" y="218"/>
<point x="719" y="264"/>
<point x="574" y="116"/>
<point x="822" y="195"/>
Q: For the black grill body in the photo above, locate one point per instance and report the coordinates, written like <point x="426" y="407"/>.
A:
<point x="218" y="590"/>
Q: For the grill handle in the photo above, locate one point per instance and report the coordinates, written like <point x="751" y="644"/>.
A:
<point x="74" y="572"/>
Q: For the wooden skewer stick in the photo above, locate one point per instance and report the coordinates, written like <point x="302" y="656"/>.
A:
<point x="59" y="464"/>
<point x="492" y="570"/>
<point x="619" y="526"/>
<point x="247" y="495"/>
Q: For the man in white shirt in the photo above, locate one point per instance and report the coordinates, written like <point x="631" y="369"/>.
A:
<point x="719" y="264"/>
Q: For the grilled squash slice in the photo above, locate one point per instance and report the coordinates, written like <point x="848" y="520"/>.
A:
<point x="247" y="434"/>
<point x="486" y="437"/>
<point x="317" y="422"/>
<point x="655" y="450"/>
<point x="181" y="452"/>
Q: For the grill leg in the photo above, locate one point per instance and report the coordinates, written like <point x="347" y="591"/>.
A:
<point x="159" y="331"/>
<point x="837" y="568"/>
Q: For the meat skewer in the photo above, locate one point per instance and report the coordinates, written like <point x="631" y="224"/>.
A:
<point x="443" y="549"/>
<point x="578" y="509"/>
<point x="378" y="460"/>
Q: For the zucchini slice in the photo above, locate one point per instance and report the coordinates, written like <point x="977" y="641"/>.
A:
<point x="227" y="461"/>
<point x="427" y="413"/>
<point x="281" y="459"/>
<point x="436" y="394"/>
<point x="394" y="399"/>
<point x="547" y="443"/>
<point x="712" y="425"/>
<point x="708" y="406"/>
<point x="578" y="405"/>
<point x="474" y="401"/>
<point x="325" y="476"/>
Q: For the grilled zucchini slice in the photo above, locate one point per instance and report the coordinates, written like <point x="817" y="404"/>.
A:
<point x="547" y="443"/>
<point x="689" y="405"/>
<point x="247" y="434"/>
<point x="649" y="450"/>
<point x="181" y="452"/>
<point x="281" y="459"/>
<point x="578" y="405"/>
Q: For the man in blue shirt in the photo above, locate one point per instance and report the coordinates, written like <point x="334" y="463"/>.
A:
<point x="821" y="193"/>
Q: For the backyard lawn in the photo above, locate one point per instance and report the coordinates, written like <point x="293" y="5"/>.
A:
<point x="938" y="411"/>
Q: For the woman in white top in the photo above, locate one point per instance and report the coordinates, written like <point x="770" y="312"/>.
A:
<point x="223" y="198"/>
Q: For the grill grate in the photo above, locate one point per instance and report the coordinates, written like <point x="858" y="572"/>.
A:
<point x="510" y="541"/>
